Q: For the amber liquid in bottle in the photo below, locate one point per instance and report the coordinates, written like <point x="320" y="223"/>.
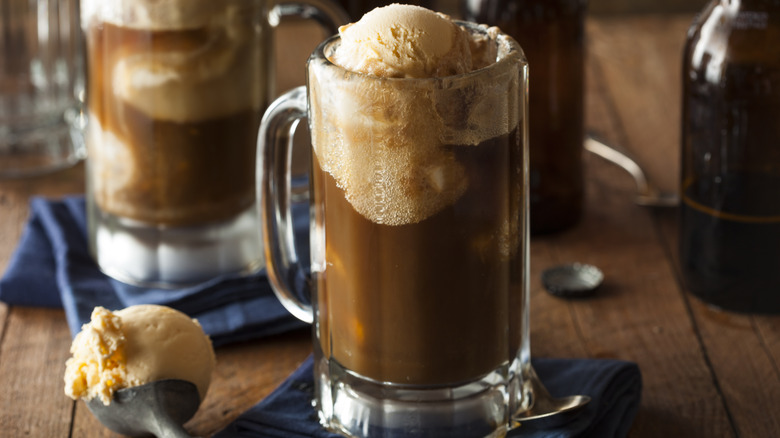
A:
<point x="730" y="183"/>
<point x="551" y="33"/>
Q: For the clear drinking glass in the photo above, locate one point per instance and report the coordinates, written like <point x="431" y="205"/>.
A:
<point x="419" y="244"/>
<point x="41" y="80"/>
<point x="175" y="93"/>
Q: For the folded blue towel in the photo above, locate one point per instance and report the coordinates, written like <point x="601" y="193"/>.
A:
<point x="614" y="386"/>
<point x="52" y="267"/>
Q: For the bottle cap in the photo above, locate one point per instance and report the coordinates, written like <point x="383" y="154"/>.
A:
<point x="575" y="280"/>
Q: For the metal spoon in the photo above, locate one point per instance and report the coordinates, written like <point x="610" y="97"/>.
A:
<point x="546" y="410"/>
<point x="158" y="408"/>
<point x="647" y="194"/>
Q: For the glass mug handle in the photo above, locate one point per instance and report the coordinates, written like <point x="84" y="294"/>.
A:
<point x="288" y="278"/>
<point x="326" y="13"/>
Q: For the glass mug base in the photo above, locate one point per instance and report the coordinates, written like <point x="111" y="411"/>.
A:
<point x="33" y="152"/>
<point x="143" y="254"/>
<point x="354" y="405"/>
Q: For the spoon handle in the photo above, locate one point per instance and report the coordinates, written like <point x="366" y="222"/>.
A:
<point x="648" y="195"/>
<point x="167" y="428"/>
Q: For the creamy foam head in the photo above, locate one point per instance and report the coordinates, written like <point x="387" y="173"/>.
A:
<point x="389" y="161"/>
<point x="206" y="67"/>
<point x="187" y="85"/>
<point x="390" y="143"/>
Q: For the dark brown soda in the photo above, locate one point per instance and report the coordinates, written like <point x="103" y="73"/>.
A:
<point x="429" y="302"/>
<point x="731" y="234"/>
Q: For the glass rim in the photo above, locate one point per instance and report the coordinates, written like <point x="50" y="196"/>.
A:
<point x="512" y="52"/>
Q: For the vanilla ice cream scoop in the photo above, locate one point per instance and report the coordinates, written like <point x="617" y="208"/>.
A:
<point x="404" y="41"/>
<point x="134" y="346"/>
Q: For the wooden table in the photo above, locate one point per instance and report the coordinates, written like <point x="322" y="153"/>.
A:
<point x="706" y="373"/>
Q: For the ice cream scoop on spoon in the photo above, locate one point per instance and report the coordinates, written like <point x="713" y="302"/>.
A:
<point x="143" y="369"/>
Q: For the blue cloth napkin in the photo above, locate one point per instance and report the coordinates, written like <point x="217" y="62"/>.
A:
<point x="51" y="267"/>
<point x="614" y="386"/>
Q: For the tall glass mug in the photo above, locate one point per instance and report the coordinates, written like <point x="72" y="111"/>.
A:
<point x="419" y="244"/>
<point x="175" y="93"/>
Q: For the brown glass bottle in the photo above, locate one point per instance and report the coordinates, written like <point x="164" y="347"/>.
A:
<point x="551" y="33"/>
<point x="730" y="179"/>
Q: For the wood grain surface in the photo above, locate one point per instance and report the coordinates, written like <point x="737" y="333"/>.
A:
<point x="706" y="373"/>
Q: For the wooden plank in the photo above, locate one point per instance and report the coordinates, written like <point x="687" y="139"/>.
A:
<point x="553" y="330"/>
<point x="768" y="328"/>
<point x="640" y="314"/>
<point x="246" y="373"/>
<point x="13" y="213"/>
<point x="743" y="351"/>
<point x="15" y="196"/>
<point x="35" y="342"/>
<point x="32" y="363"/>
<point x="640" y="59"/>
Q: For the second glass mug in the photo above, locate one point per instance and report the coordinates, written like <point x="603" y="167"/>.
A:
<point x="175" y="93"/>
<point x="419" y="244"/>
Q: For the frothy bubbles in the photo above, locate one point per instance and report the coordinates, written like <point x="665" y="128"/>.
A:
<point x="391" y="143"/>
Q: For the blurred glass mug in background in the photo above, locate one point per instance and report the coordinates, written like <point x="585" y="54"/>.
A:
<point x="175" y="93"/>
<point x="551" y="33"/>
<point x="41" y="79"/>
<point x="418" y="241"/>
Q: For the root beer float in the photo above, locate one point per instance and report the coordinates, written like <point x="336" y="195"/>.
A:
<point x="175" y="94"/>
<point x="419" y="243"/>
